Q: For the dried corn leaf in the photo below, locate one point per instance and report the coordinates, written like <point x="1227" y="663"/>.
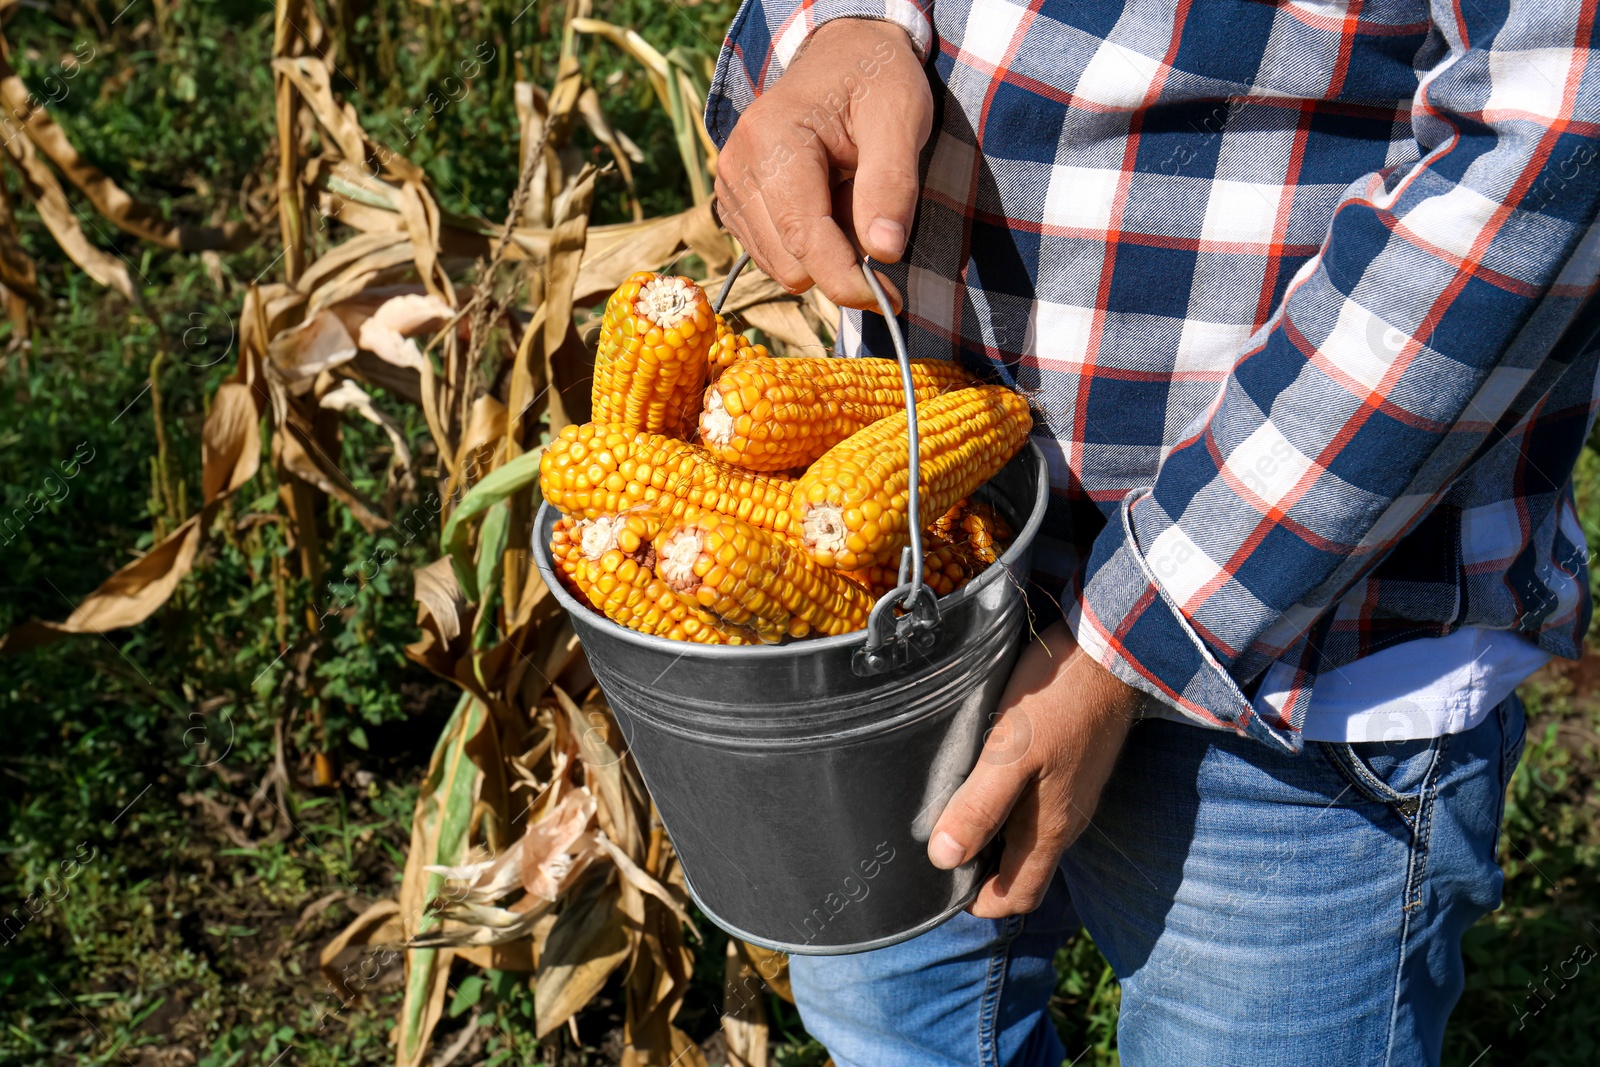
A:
<point x="338" y="258"/>
<point x="443" y="617"/>
<point x="421" y="217"/>
<point x="611" y="253"/>
<point x="40" y="186"/>
<point x="467" y="925"/>
<point x="16" y="310"/>
<point x="602" y="749"/>
<point x="389" y="332"/>
<point x="368" y="369"/>
<point x="378" y="925"/>
<point x="309" y="75"/>
<point x="622" y="150"/>
<point x="533" y="110"/>
<point x="644" y="883"/>
<point x="764" y="304"/>
<point x="480" y="443"/>
<point x="585" y="945"/>
<point x="783" y="320"/>
<point x="771" y="965"/>
<point x="514" y="955"/>
<point x="656" y="985"/>
<point x="106" y="195"/>
<point x="558" y="847"/>
<point x="744" y="1014"/>
<point x="567" y="365"/>
<point x="295" y="451"/>
<point x="17" y="271"/>
<point x="230" y="441"/>
<point x="348" y="396"/>
<point x="268" y="311"/>
<point x="706" y="238"/>
<point x="362" y="276"/>
<point x="491" y="813"/>
<point x="126" y="598"/>
<point x="654" y="63"/>
<point x="297" y="355"/>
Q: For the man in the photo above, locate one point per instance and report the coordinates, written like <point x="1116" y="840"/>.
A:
<point x="1299" y="293"/>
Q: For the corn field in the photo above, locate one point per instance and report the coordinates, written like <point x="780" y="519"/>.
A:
<point x="534" y="847"/>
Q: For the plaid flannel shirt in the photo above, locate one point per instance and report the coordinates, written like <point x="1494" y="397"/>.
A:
<point x="1299" y="291"/>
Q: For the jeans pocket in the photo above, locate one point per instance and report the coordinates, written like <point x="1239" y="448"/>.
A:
<point x="1393" y="773"/>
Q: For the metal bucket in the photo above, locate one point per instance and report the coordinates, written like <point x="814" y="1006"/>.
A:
<point x="799" y="783"/>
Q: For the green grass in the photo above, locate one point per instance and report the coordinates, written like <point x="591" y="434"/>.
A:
<point x="126" y="755"/>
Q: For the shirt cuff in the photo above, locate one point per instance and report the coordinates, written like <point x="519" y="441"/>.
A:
<point x="1133" y="628"/>
<point x="909" y="16"/>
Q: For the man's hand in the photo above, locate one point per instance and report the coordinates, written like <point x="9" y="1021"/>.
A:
<point x="854" y="104"/>
<point x="1061" y="723"/>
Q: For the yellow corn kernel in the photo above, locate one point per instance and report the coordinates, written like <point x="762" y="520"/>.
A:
<point x="753" y="577"/>
<point x="591" y="470"/>
<point x="651" y="364"/>
<point x="566" y="553"/>
<point x="773" y="414"/>
<point x="850" y="507"/>
<point x="731" y="347"/>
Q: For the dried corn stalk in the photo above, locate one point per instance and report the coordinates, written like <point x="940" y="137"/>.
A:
<point x="534" y="844"/>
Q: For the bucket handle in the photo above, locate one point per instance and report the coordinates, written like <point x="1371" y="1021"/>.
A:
<point x="891" y="638"/>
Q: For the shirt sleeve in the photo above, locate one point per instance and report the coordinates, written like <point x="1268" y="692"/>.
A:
<point x="767" y="34"/>
<point x="1422" y="329"/>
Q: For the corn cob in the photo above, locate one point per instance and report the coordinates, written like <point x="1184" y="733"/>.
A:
<point x="621" y="584"/>
<point x="945" y="526"/>
<point x="731" y="347"/>
<point x="945" y="568"/>
<point x="987" y="534"/>
<point x="957" y="547"/>
<point x="976" y="526"/>
<point x="591" y="470"/>
<point x="850" y="505"/>
<point x="650" y="367"/>
<point x="773" y="414"/>
<point x="756" y="578"/>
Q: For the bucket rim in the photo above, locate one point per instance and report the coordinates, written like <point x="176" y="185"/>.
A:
<point x="1024" y="538"/>
<point x="806" y="948"/>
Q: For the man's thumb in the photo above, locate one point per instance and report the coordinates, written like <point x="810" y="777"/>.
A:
<point x="884" y="195"/>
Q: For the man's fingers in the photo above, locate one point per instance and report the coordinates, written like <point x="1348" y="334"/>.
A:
<point x="1034" y="838"/>
<point x="976" y="812"/>
<point x="749" y="222"/>
<point x="802" y="205"/>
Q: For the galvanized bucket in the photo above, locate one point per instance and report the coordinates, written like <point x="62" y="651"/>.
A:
<point x="799" y="783"/>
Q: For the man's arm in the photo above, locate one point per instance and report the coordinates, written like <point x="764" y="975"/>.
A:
<point x="1422" y="329"/>
<point x="824" y="161"/>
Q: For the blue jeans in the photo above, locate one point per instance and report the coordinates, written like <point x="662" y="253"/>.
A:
<point x="1258" y="908"/>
